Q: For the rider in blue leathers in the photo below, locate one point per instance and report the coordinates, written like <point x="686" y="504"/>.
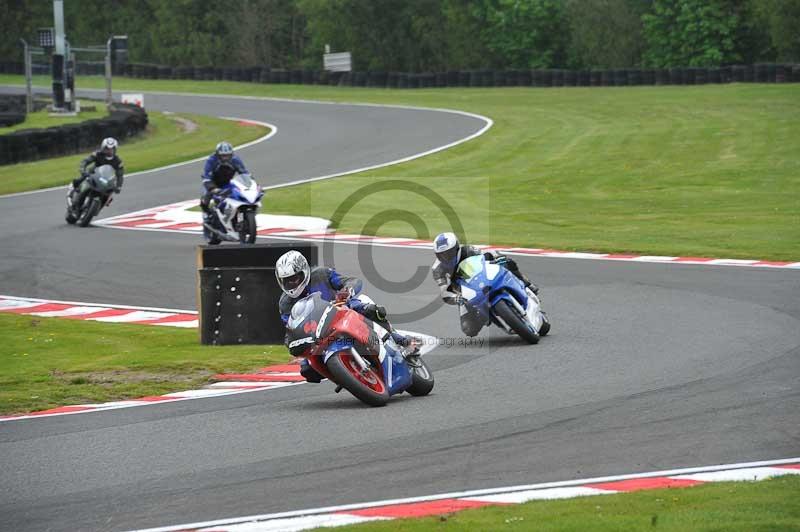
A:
<point x="297" y="279"/>
<point x="220" y="168"/>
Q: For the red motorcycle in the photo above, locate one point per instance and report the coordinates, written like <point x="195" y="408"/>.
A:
<point x="353" y="351"/>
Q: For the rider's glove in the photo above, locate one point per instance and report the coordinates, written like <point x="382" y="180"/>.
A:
<point x="502" y="260"/>
<point x="344" y="294"/>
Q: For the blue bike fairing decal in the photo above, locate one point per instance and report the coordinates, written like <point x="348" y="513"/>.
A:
<point x="396" y="373"/>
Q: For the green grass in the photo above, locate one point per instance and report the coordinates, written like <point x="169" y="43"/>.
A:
<point x="769" y="505"/>
<point x="49" y="362"/>
<point x="42" y="119"/>
<point x="164" y="142"/>
<point x="709" y="170"/>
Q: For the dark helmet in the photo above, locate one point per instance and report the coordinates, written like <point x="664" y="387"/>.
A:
<point x="224" y="152"/>
<point x="446" y="248"/>
<point x="108" y="148"/>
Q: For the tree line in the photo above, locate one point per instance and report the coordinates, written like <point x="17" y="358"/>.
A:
<point x="425" y="35"/>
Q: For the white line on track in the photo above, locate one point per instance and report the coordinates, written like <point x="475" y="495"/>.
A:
<point x="472" y="494"/>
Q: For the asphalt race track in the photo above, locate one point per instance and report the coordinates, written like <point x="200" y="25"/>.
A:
<point x="648" y="366"/>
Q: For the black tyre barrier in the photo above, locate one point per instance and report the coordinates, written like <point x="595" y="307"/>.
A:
<point x="402" y="80"/>
<point x="376" y="80"/>
<point x="512" y="78"/>
<point x="547" y="78"/>
<point x="763" y="73"/>
<point x="453" y="78"/>
<point x="10" y="118"/>
<point x="474" y="78"/>
<point x="796" y="73"/>
<point x="359" y="79"/>
<point x="32" y="144"/>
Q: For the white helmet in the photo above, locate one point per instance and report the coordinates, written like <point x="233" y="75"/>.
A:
<point x="446" y="248"/>
<point x="109" y="147"/>
<point x="292" y="272"/>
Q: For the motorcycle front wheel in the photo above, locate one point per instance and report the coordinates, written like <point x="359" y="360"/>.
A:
<point x="518" y="323"/>
<point x="248" y="231"/>
<point x="89" y="212"/>
<point x="422" y="379"/>
<point x="365" y="385"/>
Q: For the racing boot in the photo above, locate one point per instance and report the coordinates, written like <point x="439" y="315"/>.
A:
<point x="409" y="347"/>
<point x="309" y="373"/>
<point x="511" y="265"/>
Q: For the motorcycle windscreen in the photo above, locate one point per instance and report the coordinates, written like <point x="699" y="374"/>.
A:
<point x="105" y="177"/>
<point x="470" y="267"/>
<point x="396" y="373"/>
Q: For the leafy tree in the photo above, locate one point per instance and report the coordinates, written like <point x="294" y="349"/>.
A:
<point x="691" y="33"/>
<point x="605" y="33"/>
<point x="780" y="23"/>
<point x="523" y="33"/>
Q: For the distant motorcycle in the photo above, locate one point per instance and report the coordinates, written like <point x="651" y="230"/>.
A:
<point x="349" y="349"/>
<point x="233" y="212"/>
<point x="501" y="298"/>
<point x="94" y="193"/>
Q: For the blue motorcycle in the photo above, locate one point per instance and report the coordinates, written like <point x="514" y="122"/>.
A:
<point x="501" y="298"/>
<point x="233" y="212"/>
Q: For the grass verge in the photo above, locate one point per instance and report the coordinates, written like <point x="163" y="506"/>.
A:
<point x="165" y="141"/>
<point x="731" y="506"/>
<point x="42" y="119"/>
<point x="710" y="170"/>
<point x="50" y="362"/>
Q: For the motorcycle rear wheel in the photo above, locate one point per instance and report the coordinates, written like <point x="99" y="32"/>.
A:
<point x="518" y="323"/>
<point x="367" y="386"/>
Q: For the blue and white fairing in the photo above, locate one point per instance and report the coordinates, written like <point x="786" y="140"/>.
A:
<point x="242" y="192"/>
<point x="484" y="283"/>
